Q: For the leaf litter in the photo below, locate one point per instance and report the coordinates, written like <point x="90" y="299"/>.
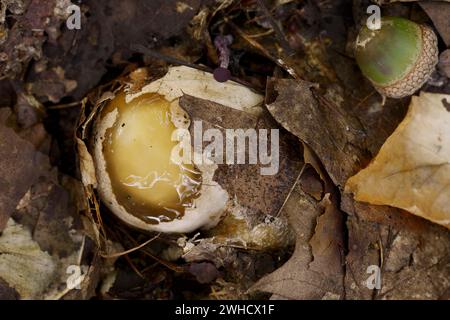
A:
<point x="336" y="129"/>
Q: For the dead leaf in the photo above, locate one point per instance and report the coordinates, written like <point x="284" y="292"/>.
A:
<point x="412" y="265"/>
<point x="44" y="234"/>
<point x="439" y="13"/>
<point x="262" y="194"/>
<point x="108" y="29"/>
<point x="315" y="270"/>
<point x="21" y="165"/>
<point x="53" y="85"/>
<point x="21" y="260"/>
<point x="444" y="63"/>
<point x="28" y="110"/>
<point x="48" y="211"/>
<point x="23" y="41"/>
<point x="327" y="129"/>
<point x="412" y="169"/>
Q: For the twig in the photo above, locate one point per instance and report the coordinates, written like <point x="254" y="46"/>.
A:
<point x="291" y="190"/>
<point x="64" y="106"/>
<point x="115" y="255"/>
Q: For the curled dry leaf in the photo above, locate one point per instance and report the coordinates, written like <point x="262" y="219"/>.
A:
<point x="329" y="130"/>
<point x="412" y="169"/>
<point x="366" y="224"/>
<point x="315" y="269"/>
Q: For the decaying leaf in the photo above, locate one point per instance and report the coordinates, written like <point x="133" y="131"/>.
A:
<point x="19" y="168"/>
<point x="43" y="235"/>
<point x="413" y="261"/>
<point x="315" y="270"/>
<point x="444" y="63"/>
<point x="333" y="134"/>
<point x="439" y="13"/>
<point x="261" y="194"/>
<point x="412" y="168"/>
<point x="21" y="260"/>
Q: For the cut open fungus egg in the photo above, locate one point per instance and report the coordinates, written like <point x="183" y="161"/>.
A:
<point x="138" y="178"/>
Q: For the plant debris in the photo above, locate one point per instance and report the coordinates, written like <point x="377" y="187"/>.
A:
<point x="411" y="170"/>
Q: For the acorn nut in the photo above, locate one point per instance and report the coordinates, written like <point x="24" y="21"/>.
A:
<point x="399" y="57"/>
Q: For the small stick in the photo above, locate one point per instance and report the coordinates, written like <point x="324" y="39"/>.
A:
<point x="64" y="106"/>
<point x="115" y="255"/>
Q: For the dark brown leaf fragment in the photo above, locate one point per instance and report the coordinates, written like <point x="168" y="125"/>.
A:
<point x="19" y="167"/>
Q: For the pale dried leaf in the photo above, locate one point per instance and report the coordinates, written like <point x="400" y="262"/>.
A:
<point x="412" y="169"/>
<point x="19" y="252"/>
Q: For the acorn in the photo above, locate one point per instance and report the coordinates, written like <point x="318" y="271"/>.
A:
<point x="399" y="57"/>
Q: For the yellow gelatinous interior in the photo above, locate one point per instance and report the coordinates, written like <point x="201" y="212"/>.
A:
<point x="137" y="151"/>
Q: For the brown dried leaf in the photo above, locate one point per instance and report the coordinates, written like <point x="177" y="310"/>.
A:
<point x="329" y="131"/>
<point x="19" y="168"/>
<point x="204" y="272"/>
<point x="412" y="169"/>
<point x="24" y="40"/>
<point x="444" y="63"/>
<point x="414" y="263"/>
<point x="47" y="210"/>
<point x="262" y="194"/>
<point x="439" y="13"/>
<point x="315" y="269"/>
<point x="42" y="231"/>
